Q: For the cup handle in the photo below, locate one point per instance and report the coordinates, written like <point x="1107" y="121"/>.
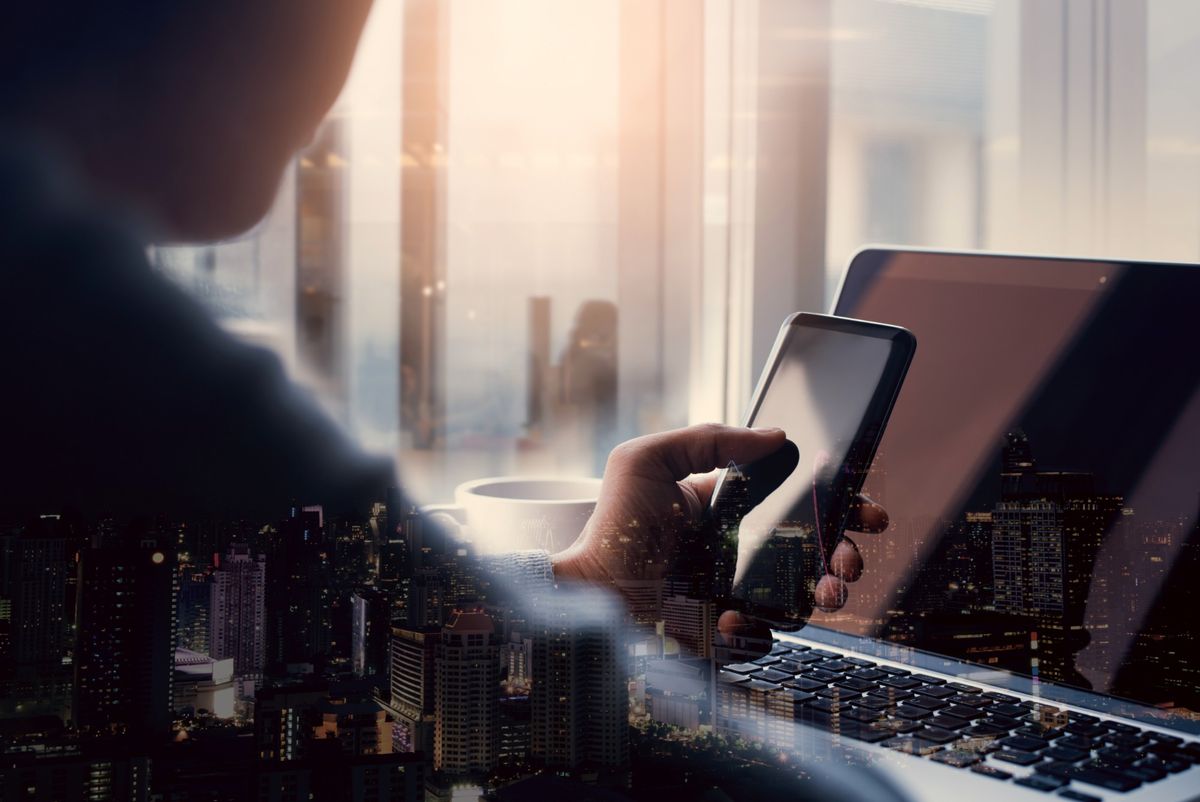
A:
<point x="455" y="511"/>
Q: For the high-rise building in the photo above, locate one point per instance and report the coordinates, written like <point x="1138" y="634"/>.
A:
<point x="237" y="614"/>
<point x="299" y="589"/>
<point x="1047" y="530"/>
<point x="468" y="691"/>
<point x="285" y="719"/>
<point x="195" y="600"/>
<point x="413" y="688"/>
<point x="33" y="581"/>
<point x="125" y="640"/>
<point x="370" y="629"/>
<point x="691" y="622"/>
<point x="512" y="724"/>
<point x="579" y="698"/>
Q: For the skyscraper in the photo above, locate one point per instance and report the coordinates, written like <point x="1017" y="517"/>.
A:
<point x="33" y="577"/>
<point x="691" y="622"/>
<point x="237" y="615"/>
<point x="579" y="698"/>
<point x="413" y="689"/>
<point x="468" y="691"/>
<point x="195" y="601"/>
<point x="1047" y="530"/>
<point x="370" y="628"/>
<point x="125" y="641"/>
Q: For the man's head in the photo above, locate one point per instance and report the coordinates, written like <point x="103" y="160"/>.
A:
<point x="189" y="110"/>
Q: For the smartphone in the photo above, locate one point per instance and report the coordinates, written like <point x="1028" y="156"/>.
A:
<point x="830" y="384"/>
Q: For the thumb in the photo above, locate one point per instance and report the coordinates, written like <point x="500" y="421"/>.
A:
<point x="677" y="454"/>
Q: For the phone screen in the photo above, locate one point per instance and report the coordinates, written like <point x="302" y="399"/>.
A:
<point x="830" y="387"/>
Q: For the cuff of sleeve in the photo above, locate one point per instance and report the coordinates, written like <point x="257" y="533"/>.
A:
<point x="531" y="571"/>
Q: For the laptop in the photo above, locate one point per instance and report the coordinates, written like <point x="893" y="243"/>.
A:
<point x="1027" y="628"/>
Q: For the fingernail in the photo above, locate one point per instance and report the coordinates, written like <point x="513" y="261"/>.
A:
<point x="766" y="429"/>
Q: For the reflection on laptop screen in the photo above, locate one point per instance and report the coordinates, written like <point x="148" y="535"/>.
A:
<point x="1041" y="469"/>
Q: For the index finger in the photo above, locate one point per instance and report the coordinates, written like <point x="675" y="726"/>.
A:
<point x="867" y="516"/>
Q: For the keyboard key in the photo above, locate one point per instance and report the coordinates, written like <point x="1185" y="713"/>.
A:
<point x="913" y="745"/>
<point x="1038" y="731"/>
<point x="1113" y="781"/>
<point x="845" y="727"/>
<point x="991" y="771"/>
<point x="937" y="735"/>
<point x="1041" y="782"/>
<point x="1066" y="754"/>
<point x="929" y="679"/>
<point x="1085" y="729"/>
<point x="1001" y="697"/>
<point x="1122" y="727"/>
<point x="795" y="697"/>
<point x="1169" y="766"/>
<point x="771" y="675"/>
<point x="984" y="731"/>
<point x="947" y="722"/>
<point x="962" y="711"/>
<point x="806" y="659"/>
<point x="725" y="678"/>
<point x="957" y="758"/>
<point x="961" y="688"/>
<point x="1127" y="739"/>
<point x="863" y="714"/>
<point x="804" y="684"/>
<point x="910" y="713"/>
<point x="891" y="694"/>
<point x="741" y="668"/>
<point x="1019" y="758"/>
<point x="903" y="683"/>
<point x="1149" y="774"/>
<point x="854" y="684"/>
<point x="1116" y="756"/>
<point x="768" y="660"/>
<point x="893" y="671"/>
<point x="836" y="666"/>
<point x="1002" y="709"/>
<point x="822" y="705"/>
<point x="898" y="726"/>
<point x="1078" y="796"/>
<point x="1023" y="743"/>
<point x="1004" y="721"/>
<point x="836" y="692"/>
<point x="872" y="703"/>
<point x="934" y="691"/>
<point x="1083" y="717"/>
<point x="927" y="703"/>
<point x="858" y="661"/>
<point x="871" y="674"/>
<point x="822" y="675"/>
<point x="1077" y="742"/>
<point x="978" y="702"/>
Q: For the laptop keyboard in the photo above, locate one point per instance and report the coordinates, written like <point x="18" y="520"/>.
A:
<point x="958" y="724"/>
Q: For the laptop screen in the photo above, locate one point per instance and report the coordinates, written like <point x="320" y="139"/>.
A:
<point x="1041" y="470"/>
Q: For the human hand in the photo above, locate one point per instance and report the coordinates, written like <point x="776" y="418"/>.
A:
<point x="651" y="519"/>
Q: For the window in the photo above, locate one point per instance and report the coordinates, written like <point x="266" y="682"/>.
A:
<point x="531" y="229"/>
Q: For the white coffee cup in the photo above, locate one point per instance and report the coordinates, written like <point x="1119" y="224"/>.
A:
<point x="510" y="513"/>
